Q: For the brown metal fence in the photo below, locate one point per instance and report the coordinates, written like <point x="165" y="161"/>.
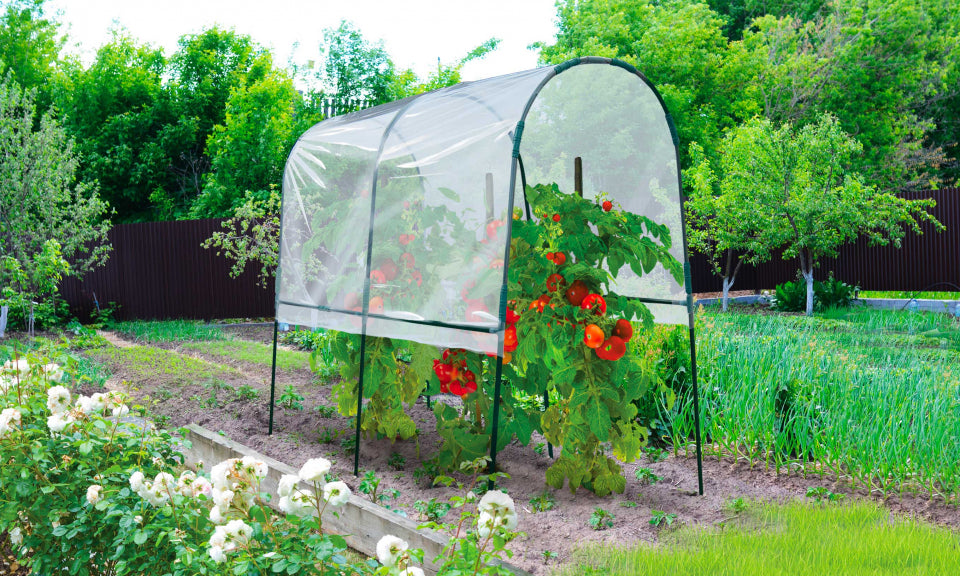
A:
<point x="159" y="270"/>
<point x="922" y="261"/>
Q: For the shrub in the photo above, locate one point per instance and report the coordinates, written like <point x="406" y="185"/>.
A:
<point x="829" y="293"/>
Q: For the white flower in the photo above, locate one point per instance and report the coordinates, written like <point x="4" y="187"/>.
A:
<point x="502" y="519"/>
<point x="412" y="571"/>
<point x="58" y="422"/>
<point x="255" y="467"/>
<point x="53" y="372"/>
<point x="287" y="484"/>
<point x="19" y="365"/>
<point x="336" y="493"/>
<point x="93" y="494"/>
<point x="120" y="411"/>
<point x="239" y="531"/>
<point x="136" y="481"/>
<point x="222" y="499"/>
<point x="217" y="554"/>
<point x="495" y="500"/>
<point x="6" y="383"/>
<point x="390" y="549"/>
<point x="315" y="470"/>
<point x="296" y="506"/>
<point x="220" y="474"/>
<point x="219" y="538"/>
<point x="16" y="536"/>
<point x="216" y="516"/>
<point x="201" y="486"/>
<point x="88" y="405"/>
<point x="9" y="419"/>
<point x="58" y="399"/>
<point x="165" y="481"/>
<point x="138" y="519"/>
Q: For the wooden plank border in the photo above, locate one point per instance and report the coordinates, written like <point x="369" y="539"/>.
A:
<point x="361" y="522"/>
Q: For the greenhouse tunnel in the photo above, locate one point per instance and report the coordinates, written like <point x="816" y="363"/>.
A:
<point x="396" y="220"/>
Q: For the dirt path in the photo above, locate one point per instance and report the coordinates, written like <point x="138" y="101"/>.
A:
<point x="234" y="399"/>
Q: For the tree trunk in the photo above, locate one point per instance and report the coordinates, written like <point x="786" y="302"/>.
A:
<point x="808" y="276"/>
<point x="727" y="283"/>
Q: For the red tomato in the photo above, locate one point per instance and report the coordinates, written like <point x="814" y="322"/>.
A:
<point x="389" y="269"/>
<point x="469" y="387"/>
<point x="594" y="302"/>
<point x="623" y="329"/>
<point x="555" y="281"/>
<point x="492" y="228"/>
<point x="607" y="205"/>
<point x="556" y="217"/>
<point x="512" y="316"/>
<point x="469" y="376"/>
<point x="408" y="260"/>
<point x="443" y="371"/>
<point x="377" y="277"/>
<point x="351" y="300"/>
<point x="496" y="264"/>
<point x="417" y="277"/>
<point x="511" y="348"/>
<point x="507" y="357"/>
<point x="559" y="258"/>
<point x="407" y="238"/>
<point x="576" y="292"/>
<point x="510" y="337"/>
<point x="456" y="388"/>
<point x="550" y="256"/>
<point x="593" y="336"/>
<point x="613" y="348"/>
<point x="376" y="305"/>
<point x="538" y="304"/>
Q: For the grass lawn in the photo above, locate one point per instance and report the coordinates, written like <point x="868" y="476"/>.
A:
<point x="167" y="331"/>
<point x="907" y="295"/>
<point x="796" y="539"/>
<point x="253" y="352"/>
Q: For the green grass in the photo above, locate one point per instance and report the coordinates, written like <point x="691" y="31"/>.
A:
<point x="869" y="396"/>
<point x="253" y="352"/>
<point x="908" y="295"/>
<point x="145" y="362"/>
<point x="167" y="331"/>
<point x="796" y="539"/>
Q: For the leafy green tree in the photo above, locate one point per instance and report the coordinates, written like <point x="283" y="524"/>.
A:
<point x="679" y="45"/>
<point x="251" y="236"/>
<point x="812" y="200"/>
<point x="40" y="200"/>
<point x="249" y="150"/>
<point x="30" y="45"/>
<point x="113" y="110"/>
<point x="726" y="221"/>
<point x="204" y="70"/>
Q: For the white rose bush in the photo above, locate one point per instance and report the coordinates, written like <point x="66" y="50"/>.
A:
<point x="86" y="489"/>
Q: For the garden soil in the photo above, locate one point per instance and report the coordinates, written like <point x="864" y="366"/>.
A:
<point x="300" y="434"/>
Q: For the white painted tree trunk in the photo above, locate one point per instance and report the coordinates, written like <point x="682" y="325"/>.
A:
<point x="727" y="283"/>
<point x="808" y="276"/>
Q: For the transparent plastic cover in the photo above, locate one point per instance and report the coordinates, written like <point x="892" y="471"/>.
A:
<point x="417" y="192"/>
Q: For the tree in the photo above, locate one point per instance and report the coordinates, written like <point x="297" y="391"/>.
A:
<point x="725" y="220"/>
<point x="30" y="45"/>
<point x="813" y="201"/>
<point x="251" y="236"/>
<point x="113" y="110"/>
<point x="249" y="150"/>
<point x="40" y="200"/>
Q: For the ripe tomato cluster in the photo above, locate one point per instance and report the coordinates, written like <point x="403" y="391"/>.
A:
<point x="453" y="374"/>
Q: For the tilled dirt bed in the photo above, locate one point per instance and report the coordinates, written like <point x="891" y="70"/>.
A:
<point x="221" y="398"/>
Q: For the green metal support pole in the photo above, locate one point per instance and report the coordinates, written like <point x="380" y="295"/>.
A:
<point x="273" y="374"/>
<point x="495" y="420"/>
<point x="356" y="439"/>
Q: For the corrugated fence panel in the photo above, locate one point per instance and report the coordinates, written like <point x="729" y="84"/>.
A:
<point x="159" y="270"/>
<point x="923" y="261"/>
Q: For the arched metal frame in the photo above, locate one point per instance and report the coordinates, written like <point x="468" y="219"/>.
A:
<point x="516" y="166"/>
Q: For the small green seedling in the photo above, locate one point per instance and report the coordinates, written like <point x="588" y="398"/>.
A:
<point x="549" y="555"/>
<point x="628" y="504"/>
<point x="646" y="476"/>
<point x="290" y="399"/>
<point x="655" y="454"/>
<point x="397" y="461"/>
<point x="660" y="519"/>
<point x="821" y="494"/>
<point x="326" y="411"/>
<point x="737" y="506"/>
<point x="540" y="448"/>
<point x="601" y="519"/>
<point x="542" y="502"/>
<point x="431" y="511"/>
<point x="370" y="485"/>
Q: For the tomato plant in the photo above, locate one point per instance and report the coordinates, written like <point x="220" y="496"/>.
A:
<point x="597" y="388"/>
